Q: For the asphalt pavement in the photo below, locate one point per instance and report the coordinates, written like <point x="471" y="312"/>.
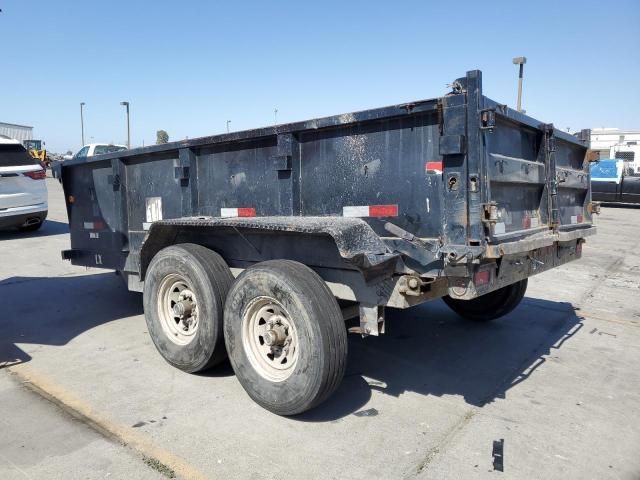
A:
<point x="550" y="391"/>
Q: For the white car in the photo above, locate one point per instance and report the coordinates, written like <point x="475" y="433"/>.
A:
<point x="23" y="189"/>
<point x="93" y="149"/>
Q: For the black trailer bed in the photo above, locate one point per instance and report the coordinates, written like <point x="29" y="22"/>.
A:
<point x="436" y="188"/>
<point x="242" y="243"/>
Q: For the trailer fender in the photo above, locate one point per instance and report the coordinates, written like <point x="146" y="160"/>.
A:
<point x="354" y="239"/>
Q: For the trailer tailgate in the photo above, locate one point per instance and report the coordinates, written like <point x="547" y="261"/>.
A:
<point x="537" y="178"/>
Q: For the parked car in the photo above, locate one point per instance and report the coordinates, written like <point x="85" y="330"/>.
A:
<point x="90" y="150"/>
<point x="23" y="191"/>
<point x="93" y="149"/>
<point x="611" y="184"/>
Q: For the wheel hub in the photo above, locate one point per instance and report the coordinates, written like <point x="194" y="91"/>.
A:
<point x="270" y="338"/>
<point x="275" y="336"/>
<point x="183" y="308"/>
<point x="178" y="309"/>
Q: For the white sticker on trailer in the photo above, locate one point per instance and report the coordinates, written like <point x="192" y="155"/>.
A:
<point x="228" y="212"/>
<point x="574" y="219"/>
<point x="535" y="222"/>
<point x="94" y="235"/>
<point x="355" y="211"/>
<point x="88" y="225"/>
<point x="499" y="228"/>
<point x="154" y="209"/>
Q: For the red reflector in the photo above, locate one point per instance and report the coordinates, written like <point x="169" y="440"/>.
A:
<point x="580" y="218"/>
<point x="98" y="225"/>
<point x="383" y="210"/>
<point x="246" y="212"/>
<point x="526" y="222"/>
<point x="38" y="175"/>
<point x="433" y="167"/>
<point x="482" y="277"/>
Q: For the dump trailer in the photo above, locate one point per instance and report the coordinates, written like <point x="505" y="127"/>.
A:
<point x="258" y="245"/>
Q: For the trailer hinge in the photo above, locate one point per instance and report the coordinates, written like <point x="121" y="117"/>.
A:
<point x="181" y="173"/>
<point x="281" y="162"/>
<point x="552" y="178"/>
<point x="115" y="181"/>
<point x="490" y="211"/>
<point x="452" y="144"/>
<point x="488" y="119"/>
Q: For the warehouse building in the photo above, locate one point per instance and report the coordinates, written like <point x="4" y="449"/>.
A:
<point x="623" y="144"/>
<point x="18" y="132"/>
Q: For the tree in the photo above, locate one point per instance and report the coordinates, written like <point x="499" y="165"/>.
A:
<point x="162" y="137"/>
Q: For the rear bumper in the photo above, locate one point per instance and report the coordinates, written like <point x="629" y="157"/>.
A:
<point x="19" y="216"/>
<point x="519" y="264"/>
<point x="538" y="241"/>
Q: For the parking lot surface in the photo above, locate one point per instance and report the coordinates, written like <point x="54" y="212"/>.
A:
<point x="553" y="386"/>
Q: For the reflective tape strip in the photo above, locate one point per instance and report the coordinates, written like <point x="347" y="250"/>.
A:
<point x="370" y="211"/>
<point x="433" y="167"/>
<point x="97" y="225"/>
<point x="355" y="211"/>
<point x="383" y="210"/>
<point x="238" y="212"/>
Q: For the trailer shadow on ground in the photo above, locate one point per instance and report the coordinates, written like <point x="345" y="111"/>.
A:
<point x="427" y="350"/>
<point x="55" y="310"/>
<point x="49" y="227"/>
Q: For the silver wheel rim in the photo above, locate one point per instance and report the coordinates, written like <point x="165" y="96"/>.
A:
<point x="270" y="339"/>
<point x="178" y="309"/>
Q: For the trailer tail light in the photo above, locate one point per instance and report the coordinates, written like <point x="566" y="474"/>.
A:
<point x="37" y="175"/>
<point x="238" y="212"/>
<point x="482" y="277"/>
<point x="433" y="167"/>
<point x="370" y="211"/>
<point x="95" y="225"/>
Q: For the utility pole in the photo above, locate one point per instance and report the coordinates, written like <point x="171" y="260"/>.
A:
<point x="228" y="122"/>
<point x="82" y="122"/>
<point x="126" y="104"/>
<point x="275" y="116"/>
<point x="520" y="61"/>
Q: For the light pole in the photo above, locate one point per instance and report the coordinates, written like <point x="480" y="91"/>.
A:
<point x="228" y="122"/>
<point x="126" y="104"/>
<point x="82" y="122"/>
<point x="275" y="116"/>
<point x="520" y="61"/>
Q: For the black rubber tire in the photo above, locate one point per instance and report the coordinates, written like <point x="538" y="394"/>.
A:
<point x="322" y="336"/>
<point x="493" y="305"/>
<point x="209" y="277"/>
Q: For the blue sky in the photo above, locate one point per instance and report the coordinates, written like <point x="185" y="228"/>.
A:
<point x="189" y="66"/>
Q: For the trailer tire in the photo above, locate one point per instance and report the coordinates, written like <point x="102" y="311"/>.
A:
<point x="285" y="335"/>
<point x="490" y="306"/>
<point x="198" y="279"/>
